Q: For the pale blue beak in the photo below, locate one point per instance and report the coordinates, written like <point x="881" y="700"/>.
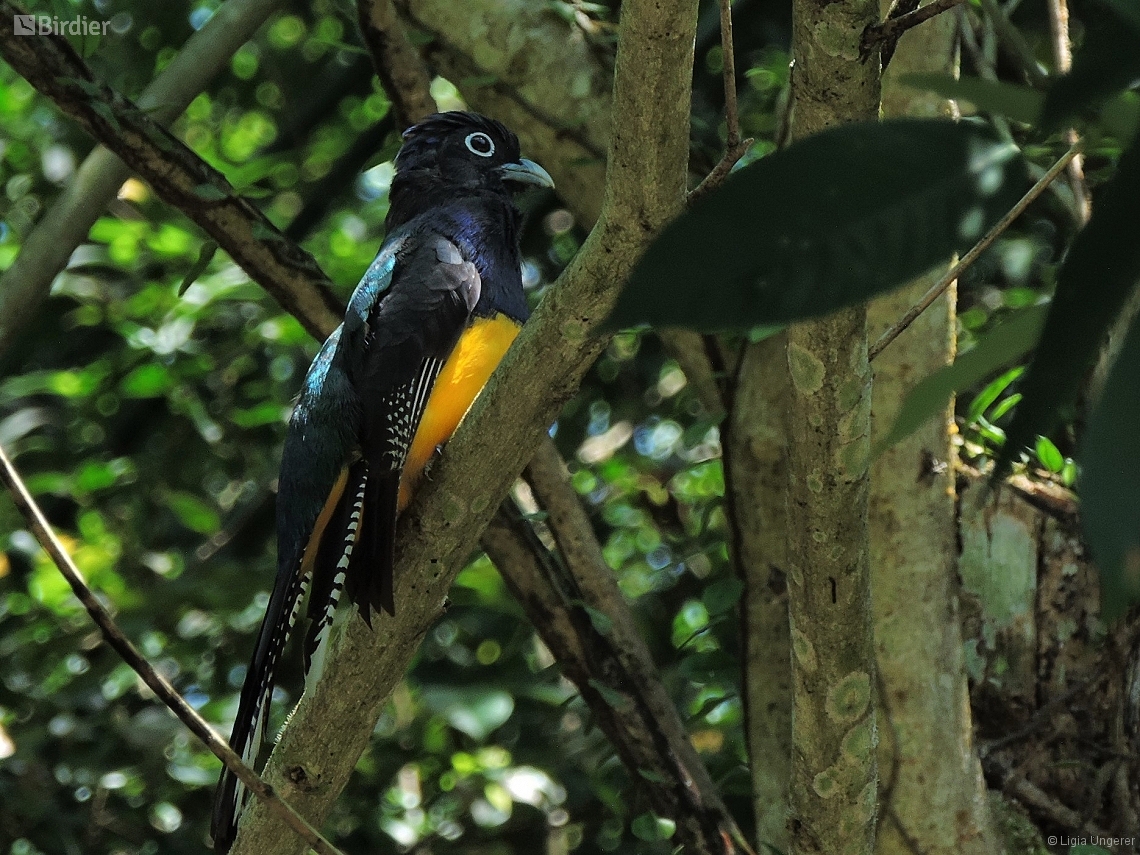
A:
<point x="526" y="172"/>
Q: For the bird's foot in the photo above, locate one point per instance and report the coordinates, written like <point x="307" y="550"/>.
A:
<point x="431" y="461"/>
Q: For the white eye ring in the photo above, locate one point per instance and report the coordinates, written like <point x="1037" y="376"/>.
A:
<point x="482" y="140"/>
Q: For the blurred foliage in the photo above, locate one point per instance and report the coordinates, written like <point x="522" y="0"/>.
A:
<point x="146" y="406"/>
<point x="149" y="424"/>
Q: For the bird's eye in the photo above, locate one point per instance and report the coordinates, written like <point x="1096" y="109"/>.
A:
<point x="479" y="143"/>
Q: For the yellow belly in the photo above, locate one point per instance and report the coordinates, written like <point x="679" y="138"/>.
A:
<point x="463" y="376"/>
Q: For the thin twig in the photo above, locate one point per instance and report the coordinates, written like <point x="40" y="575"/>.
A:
<point x="970" y="257"/>
<point x="734" y="147"/>
<point x="1063" y="62"/>
<point x="728" y="70"/>
<point x="884" y="36"/>
<point x="138" y="663"/>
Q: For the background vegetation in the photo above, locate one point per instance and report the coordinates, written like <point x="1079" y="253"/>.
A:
<point x="145" y="402"/>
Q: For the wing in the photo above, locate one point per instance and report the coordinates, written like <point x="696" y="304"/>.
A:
<point x="404" y="341"/>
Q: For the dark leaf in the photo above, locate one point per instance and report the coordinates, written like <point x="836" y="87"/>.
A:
<point x="1110" y="459"/>
<point x="1019" y="103"/>
<point x="1001" y="346"/>
<point x="1128" y="10"/>
<point x="1098" y="275"/>
<point x="205" y="256"/>
<point x="826" y="223"/>
<point x="1107" y="62"/>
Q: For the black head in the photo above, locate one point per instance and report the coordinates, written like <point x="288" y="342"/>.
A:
<point x="450" y="154"/>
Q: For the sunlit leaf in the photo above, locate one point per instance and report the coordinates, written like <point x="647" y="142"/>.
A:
<point x="147" y="381"/>
<point x="193" y="513"/>
<point x="1049" y="455"/>
<point x="476" y="711"/>
<point x="1001" y="346"/>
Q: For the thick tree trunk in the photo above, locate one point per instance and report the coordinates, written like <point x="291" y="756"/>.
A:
<point x="756" y="476"/>
<point x="936" y="797"/>
<point x="834" y="779"/>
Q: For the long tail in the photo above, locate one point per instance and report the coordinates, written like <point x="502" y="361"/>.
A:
<point x="253" y="708"/>
<point x="331" y="570"/>
<point x="324" y="569"/>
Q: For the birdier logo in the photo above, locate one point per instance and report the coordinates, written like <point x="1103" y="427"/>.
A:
<point x="50" y="25"/>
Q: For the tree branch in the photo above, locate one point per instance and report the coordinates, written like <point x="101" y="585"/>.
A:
<point x="45" y="252"/>
<point x="734" y="147"/>
<point x="398" y="65"/>
<point x="138" y="663"/>
<point x="587" y="654"/>
<point x="648" y="732"/>
<point x="177" y="175"/>
<point x="330" y="728"/>
<point x="834" y="776"/>
<point x="883" y="37"/>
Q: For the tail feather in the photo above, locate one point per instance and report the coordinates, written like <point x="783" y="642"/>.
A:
<point x="331" y="570"/>
<point x="253" y="707"/>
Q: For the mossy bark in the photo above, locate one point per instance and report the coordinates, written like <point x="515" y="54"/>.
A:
<point x="834" y="780"/>
<point x="936" y="795"/>
<point x="756" y="477"/>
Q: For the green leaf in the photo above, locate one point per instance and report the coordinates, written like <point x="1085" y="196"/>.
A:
<point x="265" y="413"/>
<point x="654" y="777"/>
<point x="1099" y="273"/>
<point x="1107" y="62"/>
<point x="1129" y="10"/>
<point x="1019" y="103"/>
<point x="1049" y="455"/>
<point x="205" y="256"/>
<point x="193" y="513"/>
<point x="600" y="620"/>
<point x="722" y="595"/>
<point x="1110" y="464"/>
<point x="1002" y="345"/>
<point x="993" y="390"/>
<point x="612" y="697"/>
<point x="147" y="381"/>
<point x="826" y="223"/>
<point x="651" y="827"/>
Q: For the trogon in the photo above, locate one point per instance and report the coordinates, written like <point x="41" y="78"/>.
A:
<point x="426" y="326"/>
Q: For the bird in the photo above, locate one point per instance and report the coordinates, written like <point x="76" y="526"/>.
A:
<point x="429" y="321"/>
